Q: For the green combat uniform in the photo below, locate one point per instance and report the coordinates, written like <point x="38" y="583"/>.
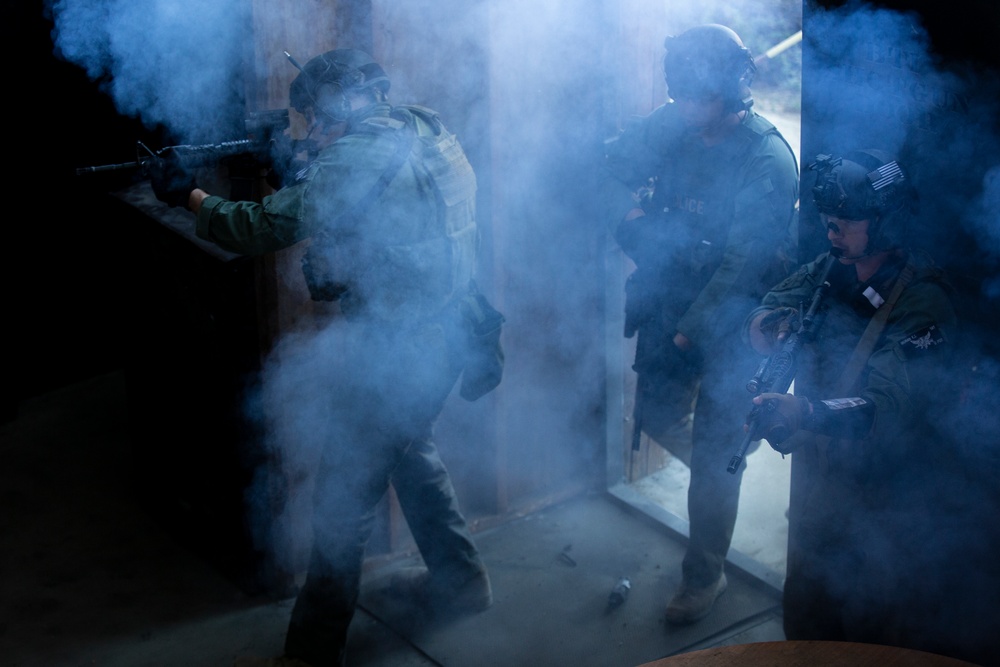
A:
<point x="390" y="210"/>
<point x="869" y="497"/>
<point x="717" y="218"/>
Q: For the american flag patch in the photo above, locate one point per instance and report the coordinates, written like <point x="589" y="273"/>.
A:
<point x="923" y="340"/>
<point x="885" y="175"/>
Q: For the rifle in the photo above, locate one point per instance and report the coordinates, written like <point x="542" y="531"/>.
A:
<point x="266" y="142"/>
<point x="776" y="372"/>
<point x="662" y="370"/>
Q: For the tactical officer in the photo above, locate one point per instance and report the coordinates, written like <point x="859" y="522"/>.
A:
<point x="872" y="475"/>
<point x="388" y="202"/>
<point x="701" y="196"/>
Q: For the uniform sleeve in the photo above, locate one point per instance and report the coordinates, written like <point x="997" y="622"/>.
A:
<point x="910" y="364"/>
<point x="630" y="160"/>
<point x="789" y="293"/>
<point x="890" y="412"/>
<point x="796" y="288"/>
<point x="334" y="183"/>
<point x="764" y="205"/>
<point x="250" y="228"/>
<point x="345" y="174"/>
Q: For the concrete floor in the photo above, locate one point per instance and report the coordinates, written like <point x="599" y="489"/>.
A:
<point x="89" y="578"/>
<point x="761" y="531"/>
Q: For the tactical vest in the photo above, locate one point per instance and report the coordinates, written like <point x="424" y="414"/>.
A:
<point x="696" y="204"/>
<point x="408" y="248"/>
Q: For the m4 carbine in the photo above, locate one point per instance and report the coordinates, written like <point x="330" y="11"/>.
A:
<point x="776" y="372"/>
<point x="266" y="142"/>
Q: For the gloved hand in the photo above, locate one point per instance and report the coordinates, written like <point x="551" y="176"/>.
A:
<point x="172" y="184"/>
<point x="646" y="239"/>
<point x="781" y="415"/>
<point x="777" y="324"/>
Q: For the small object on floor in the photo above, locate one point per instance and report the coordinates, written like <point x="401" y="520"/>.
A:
<point x="566" y="559"/>
<point x="619" y="593"/>
<point x="691" y="604"/>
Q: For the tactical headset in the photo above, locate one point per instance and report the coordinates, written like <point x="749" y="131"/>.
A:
<point x="709" y="60"/>
<point x="866" y="185"/>
<point x="326" y="81"/>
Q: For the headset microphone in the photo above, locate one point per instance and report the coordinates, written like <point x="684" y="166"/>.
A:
<point x="839" y="254"/>
<point x="866" y="185"/>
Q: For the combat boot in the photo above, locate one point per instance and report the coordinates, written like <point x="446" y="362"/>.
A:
<point x="692" y="604"/>
<point x="418" y="586"/>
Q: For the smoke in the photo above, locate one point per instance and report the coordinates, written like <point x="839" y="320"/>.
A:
<point x="532" y="89"/>
<point x="876" y="78"/>
<point x="170" y="63"/>
<point x="986" y="217"/>
<point x="873" y="80"/>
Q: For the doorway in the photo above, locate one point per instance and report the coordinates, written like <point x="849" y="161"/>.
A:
<point x="654" y="478"/>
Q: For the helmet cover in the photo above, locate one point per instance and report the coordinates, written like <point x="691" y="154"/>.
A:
<point x="709" y="60"/>
<point x="325" y="80"/>
<point x="865" y="185"/>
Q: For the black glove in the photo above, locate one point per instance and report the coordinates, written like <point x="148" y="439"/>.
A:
<point x="647" y="240"/>
<point x="777" y="324"/>
<point x="284" y="159"/>
<point x="781" y="415"/>
<point x="172" y="184"/>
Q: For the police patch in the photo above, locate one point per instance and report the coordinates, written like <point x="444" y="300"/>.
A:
<point x="922" y="341"/>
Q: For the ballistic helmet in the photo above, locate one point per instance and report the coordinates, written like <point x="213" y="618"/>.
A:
<point x="866" y="185"/>
<point x="709" y="60"/>
<point x="325" y="82"/>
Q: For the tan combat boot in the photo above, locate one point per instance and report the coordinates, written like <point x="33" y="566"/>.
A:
<point x="691" y="604"/>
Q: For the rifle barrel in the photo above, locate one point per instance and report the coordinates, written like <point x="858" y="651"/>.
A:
<point x="741" y="451"/>
<point x="121" y="166"/>
<point x="191" y="156"/>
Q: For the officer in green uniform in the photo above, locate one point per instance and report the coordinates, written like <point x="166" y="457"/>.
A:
<point x="872" y="474"/>
<point x="389" y="205"/>
<point x="701" y="196"/>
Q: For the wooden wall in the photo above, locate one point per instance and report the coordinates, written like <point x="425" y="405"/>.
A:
<point x="512" y="86"/>
<point x="532" y="90"/>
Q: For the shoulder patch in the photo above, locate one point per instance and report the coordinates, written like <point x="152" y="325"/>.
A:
<point x="380" y="124"/>
<point x="418" y="110"/>
<point x="759" y="125"/>
<point x="794" y="281"/>
<point x="922" y="341"/>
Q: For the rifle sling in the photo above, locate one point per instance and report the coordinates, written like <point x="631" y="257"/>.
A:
<point x="873" y="332"/>
<point x="405" y="146"/>
<point x="862" y="352"/>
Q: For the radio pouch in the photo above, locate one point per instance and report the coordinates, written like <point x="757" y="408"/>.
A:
<point x="483" y="355"/>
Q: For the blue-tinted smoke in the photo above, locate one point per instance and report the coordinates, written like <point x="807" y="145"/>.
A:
<point x="987" y="214"/>
<point x="868" y="76"/>
<point x="873" y="79"/>
<point x="174" y="63"/>
<point x="521" y="95"/>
